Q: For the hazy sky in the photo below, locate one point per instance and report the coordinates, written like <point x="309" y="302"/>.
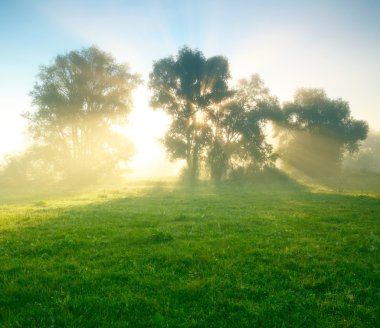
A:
<point x="333" y="45"/>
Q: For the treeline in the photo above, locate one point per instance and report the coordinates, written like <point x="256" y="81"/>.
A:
<point x="218" y="129"/>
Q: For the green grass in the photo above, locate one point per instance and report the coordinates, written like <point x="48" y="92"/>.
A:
<point x="273" y="255"/>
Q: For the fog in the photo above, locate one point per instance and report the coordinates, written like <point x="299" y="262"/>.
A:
<point x="286" y="45"/>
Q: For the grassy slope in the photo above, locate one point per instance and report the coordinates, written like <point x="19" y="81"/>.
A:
<point x="232" y="256"/>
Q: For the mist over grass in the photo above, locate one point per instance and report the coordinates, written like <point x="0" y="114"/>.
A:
<point x="269" y="253"/>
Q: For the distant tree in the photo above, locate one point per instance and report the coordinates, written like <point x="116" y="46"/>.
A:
<point x="185" y="86"/>
<point x="238" y="137"/>
<point x="78" y="100"/>
<point x="34" y="165"/>
<point x="321" y="131"/>
<point x="367" y="159"/>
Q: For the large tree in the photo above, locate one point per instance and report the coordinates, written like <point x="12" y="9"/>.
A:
<point x="321" y="130"/>
<point x="78" y="100"/>
<point x="238" y="135"/>
<point x="185" y="86"/>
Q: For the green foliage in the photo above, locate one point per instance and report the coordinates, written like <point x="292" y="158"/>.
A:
<point x="184" y="87"/>
<point x="35" y="165"/>
<point x="82" y="95"/>
<point x="78" y="98"/>
<point x="238" y="140"/>
<point x="322" y="131"/>
<point x="212" y="124"/>
<point x="269" y="254"/>
<point x="367" y="159"/>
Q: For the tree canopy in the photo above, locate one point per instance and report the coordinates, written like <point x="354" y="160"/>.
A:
<point x="213" y="125"/>
<point x="321" y="131"/>
<point x="78" y="99"/>
<point x="238" y="138"/>
<point x="367" y="159"/>
<point x="217" y="128"/>
<point x="184" y="87"/>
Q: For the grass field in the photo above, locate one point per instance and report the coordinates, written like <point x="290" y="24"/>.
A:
<point x="162" y="255"/>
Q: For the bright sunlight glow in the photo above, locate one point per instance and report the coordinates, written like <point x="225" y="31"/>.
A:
<point x="145" y="129"/>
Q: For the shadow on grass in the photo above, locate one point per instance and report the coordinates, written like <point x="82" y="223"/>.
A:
<point x="214" y="255"/>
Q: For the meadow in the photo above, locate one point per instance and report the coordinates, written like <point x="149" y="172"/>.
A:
<point x="264" y="254"/>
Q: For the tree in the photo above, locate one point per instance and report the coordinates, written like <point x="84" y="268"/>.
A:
<point x="184" y="87"/>
<point x="321" y="131"/>
<point x="238" y="138"/>
<point x="367" y="159"/>
<point x="33" y="165"/>
<point x="78" y="100"/>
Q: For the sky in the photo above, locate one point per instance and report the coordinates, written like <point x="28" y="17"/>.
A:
<point x="334" y="45"/>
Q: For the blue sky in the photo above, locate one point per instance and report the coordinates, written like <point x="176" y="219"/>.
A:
<point x="333" y="45"/>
